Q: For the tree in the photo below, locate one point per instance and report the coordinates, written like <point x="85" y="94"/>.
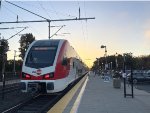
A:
<point x="25" y="41"/>
<point x="3" y="46"/>
<point x="3" y="55"/>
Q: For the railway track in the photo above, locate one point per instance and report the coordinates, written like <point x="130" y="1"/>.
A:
<point x="34" y="105"/>
<point x="37" y="103"/>
<point x="10" y="88"/>
<point x="40" y="102"/>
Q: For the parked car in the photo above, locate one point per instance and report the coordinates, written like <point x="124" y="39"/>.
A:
<point x="139" y="77"/>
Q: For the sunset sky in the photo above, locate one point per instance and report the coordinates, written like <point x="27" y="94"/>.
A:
<point x="123" y="26"/>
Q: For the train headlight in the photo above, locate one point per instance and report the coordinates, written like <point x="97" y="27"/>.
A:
<point x="28" y="76"/>
<point x="48" y="76"/>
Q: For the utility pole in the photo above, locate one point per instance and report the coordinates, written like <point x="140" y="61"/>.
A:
<point x="14" y="70"/>
<point x="124" y="74"/>
<point x="0" y="3"/>
<point x="3" y="74"/>
<point x="111" y="66"/>
<point x="49" y="31"/>
<point x="79" y="12"/>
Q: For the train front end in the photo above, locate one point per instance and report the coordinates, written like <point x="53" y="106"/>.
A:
<point x="39" y="65"/>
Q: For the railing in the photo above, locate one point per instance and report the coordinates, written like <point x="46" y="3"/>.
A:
<point x="10" y="76"/>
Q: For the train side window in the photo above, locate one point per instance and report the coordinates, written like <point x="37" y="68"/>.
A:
<point x="65" y="62"/>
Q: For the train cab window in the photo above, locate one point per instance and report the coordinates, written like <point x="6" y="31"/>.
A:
<point x="40" y="57"/>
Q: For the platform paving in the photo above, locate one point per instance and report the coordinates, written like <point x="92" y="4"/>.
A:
<point x="101" y="97"/>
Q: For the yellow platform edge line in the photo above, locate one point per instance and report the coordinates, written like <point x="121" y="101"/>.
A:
<point x="63" y="102"/>
<point x="78" y="100"/>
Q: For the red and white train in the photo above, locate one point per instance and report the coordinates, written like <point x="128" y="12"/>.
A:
<point x="50" y="66"/>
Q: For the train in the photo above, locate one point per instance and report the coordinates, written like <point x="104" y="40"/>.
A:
<point x="50" y="66"/>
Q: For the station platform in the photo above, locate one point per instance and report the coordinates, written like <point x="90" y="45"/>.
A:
<point x="100" y="96"/>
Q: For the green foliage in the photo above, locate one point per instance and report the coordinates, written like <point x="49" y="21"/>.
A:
<point x="25" y="41"/>
<point x="10" y="65"/>
<point x="142" y="62"/>
<point x="3" y="46"/>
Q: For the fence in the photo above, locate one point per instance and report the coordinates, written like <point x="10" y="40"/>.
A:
<point x="10" y="76"/>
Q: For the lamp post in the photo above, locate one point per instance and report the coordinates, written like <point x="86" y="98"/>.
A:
<point x="116" y="55"/>
<point x="124" y="74"/>
<point x="105" y="55"/>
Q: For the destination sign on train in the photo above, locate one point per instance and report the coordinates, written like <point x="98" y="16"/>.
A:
<point x="44" y="48"/>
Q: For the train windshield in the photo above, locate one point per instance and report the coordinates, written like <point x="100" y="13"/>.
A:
<point x="40" y="57"/>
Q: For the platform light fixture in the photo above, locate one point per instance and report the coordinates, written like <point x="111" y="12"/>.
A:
<point x="105" y="55"/>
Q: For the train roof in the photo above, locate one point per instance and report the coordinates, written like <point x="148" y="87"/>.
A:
<point x="51" y="42"/>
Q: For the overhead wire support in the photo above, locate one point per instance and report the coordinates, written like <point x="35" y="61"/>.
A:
<point x="56" y="20"/>
<point x="57" y="26"/>
<point x="0" y="3"/>
<point x="28" y="11"/>
<point x="17" y="33"/>
<point x="10" y="28"/>
<point x="45" y="19"/>
<point x="79" y="12"/>
<point x="58" y="30"/>
<point x="48" y="20"/>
